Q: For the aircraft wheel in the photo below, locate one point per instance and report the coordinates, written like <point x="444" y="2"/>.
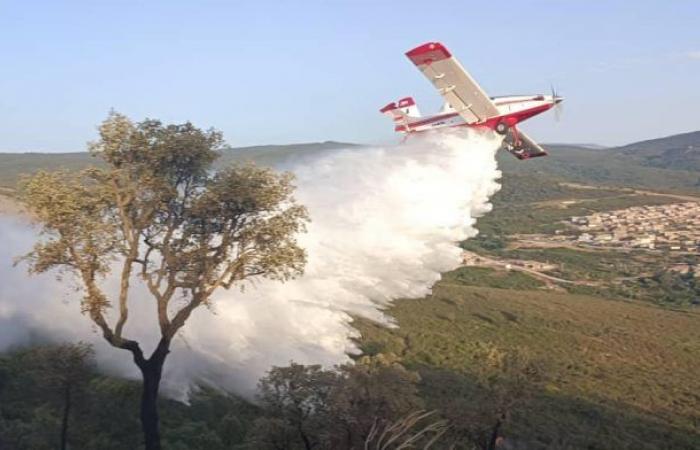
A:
<point x="501" y="128"/>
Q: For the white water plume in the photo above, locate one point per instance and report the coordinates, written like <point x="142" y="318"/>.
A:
<point x="385" y="224"/>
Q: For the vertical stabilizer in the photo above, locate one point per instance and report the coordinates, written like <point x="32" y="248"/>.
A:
<point x="402" y="112"/>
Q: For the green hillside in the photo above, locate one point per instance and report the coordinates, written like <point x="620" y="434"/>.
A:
<point x="14" y="165"/>
<point x="615" y="374"/>
<point x="607" y="360"/>
<point x="679" y="152"/>
<point x="611" y="358"/>
<point x="669" y="163"/>
<point x="607" y="167"/>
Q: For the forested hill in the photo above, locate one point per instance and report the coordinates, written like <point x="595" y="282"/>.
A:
<point x="668" y="163"/>
<point x="14" y="165"/>
<point x="653" y="147"/>
<point x="279" y="154"/>
<point x="681" y="151"/>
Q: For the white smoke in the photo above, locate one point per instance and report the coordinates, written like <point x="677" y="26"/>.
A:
<point x="385" y="224"/>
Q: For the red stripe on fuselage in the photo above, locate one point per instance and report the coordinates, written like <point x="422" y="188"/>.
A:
<point x="432" y="119"/>
<point x="510" y="119"/>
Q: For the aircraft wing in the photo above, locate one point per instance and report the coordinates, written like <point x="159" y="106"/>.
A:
<point x="528" y="148"/>
<point x="453" y="82"/>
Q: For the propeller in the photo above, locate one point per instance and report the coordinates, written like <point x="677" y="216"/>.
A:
<point x="558" y="105"/>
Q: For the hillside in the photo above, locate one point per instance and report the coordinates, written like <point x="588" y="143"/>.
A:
<point x="14" y="165"/>
<point x="614" y="376"/>
<point x="668" y="163"/>
<point x="679" y="152"/>
<point x="611" y="349"/>
<point x="278" y="154"/>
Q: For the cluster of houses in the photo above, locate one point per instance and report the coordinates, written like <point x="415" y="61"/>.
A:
<point x="673" y="226"/>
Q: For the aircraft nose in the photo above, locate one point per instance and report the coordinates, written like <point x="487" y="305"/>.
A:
<point x="558" y="100"/>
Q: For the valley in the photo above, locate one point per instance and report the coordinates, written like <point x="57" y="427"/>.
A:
<point x="585" y="344"/>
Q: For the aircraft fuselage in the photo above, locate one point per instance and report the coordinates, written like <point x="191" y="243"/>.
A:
<point x="513" y="109"/>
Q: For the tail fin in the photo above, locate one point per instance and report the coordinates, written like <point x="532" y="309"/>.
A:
<point x="401" y="111"/>
<point x="408" y="107"/>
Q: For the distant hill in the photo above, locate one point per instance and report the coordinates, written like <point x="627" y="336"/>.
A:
<point x="668" y="163"/>
<point x="588" y="146"/>
<point x="14" y="165"/>
<point x="680" y="151"/>
<point x="269" y="155"/>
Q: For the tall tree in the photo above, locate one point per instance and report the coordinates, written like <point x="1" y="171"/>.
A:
<point x="45" y="391"/>
<point x="157" y="209"/>
<point x="64" y="370"/>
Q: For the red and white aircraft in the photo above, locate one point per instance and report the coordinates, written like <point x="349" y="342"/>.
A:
<point x="466" y="104"/>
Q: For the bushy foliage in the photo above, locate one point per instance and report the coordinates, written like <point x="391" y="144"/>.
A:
<point x="156" y="208"/>
<point x="307" y="407"/>
<point x="673" y="288"/>
<point x="103" y="414"/>
<point x="299" y="407"/>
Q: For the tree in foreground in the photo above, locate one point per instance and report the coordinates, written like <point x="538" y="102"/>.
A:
<point x="157" y="210"/>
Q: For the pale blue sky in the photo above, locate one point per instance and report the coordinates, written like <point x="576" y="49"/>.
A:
<point x="292" y="71"/>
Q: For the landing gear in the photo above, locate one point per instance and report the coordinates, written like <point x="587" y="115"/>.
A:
<point x="511" y="133"/>
<point x="512" y="142"/>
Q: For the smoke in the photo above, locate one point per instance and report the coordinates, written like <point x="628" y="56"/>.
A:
<point x="385" y="224"/>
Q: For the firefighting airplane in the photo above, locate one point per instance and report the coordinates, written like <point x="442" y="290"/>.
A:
<point x="466" y="104"/>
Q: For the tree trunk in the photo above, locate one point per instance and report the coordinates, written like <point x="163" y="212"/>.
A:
<point x="305" y="438"/>
<point x="66" y="414"/>
<point x="494" y="433"/>
<point x="152" y="370"/>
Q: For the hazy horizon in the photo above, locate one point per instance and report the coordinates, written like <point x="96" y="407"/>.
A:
<point x="592" y="145"/>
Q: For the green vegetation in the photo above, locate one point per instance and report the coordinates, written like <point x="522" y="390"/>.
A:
<point x="582" y="265"/>
<point x="307" y="407"/>
<point x="499" y="356"/>
<point x="516" y="211"/>
<point x="478" y="276"/>
<point x="614" y="376"/>
<point x="617" y="366"/>
<point x="639" y="275"/>
<point x="672" y="288"/>
<point x="669" y="163"/>
<point x="103" y="410"/>
<point x="298" y="407"/>
<point x="157" y="209"/>
<point x="546" y="369"/>
<point x="528" y="205"/>
<point x="678" y="152"/>
<point x="14" y="165"/>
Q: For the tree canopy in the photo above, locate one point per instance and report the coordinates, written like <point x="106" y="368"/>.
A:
<point x="157" y="210"/>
